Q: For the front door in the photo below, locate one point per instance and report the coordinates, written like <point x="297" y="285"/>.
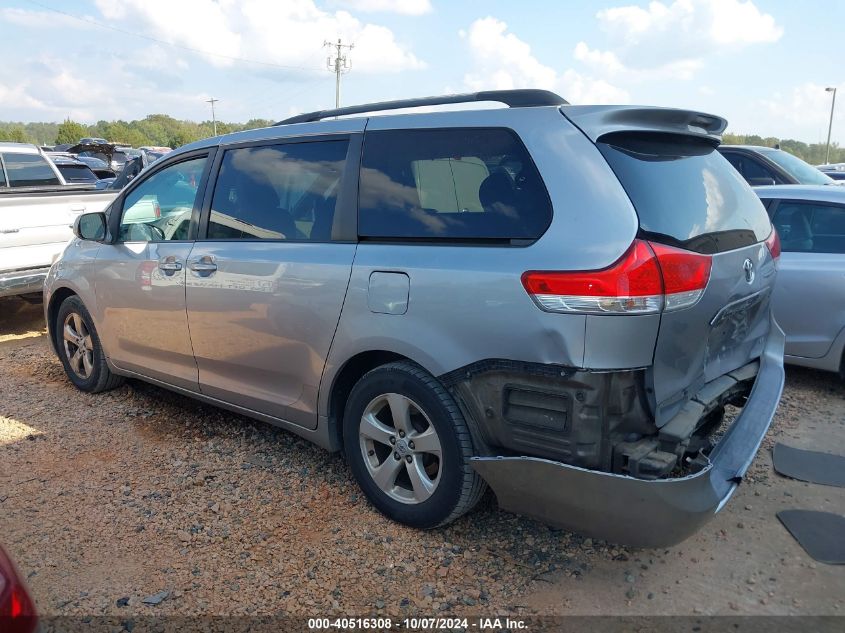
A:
<point x="266" y="285"/>
<point x="141" y="277"/>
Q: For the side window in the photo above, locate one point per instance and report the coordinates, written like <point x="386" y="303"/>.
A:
<point x="160" y="207"/>
<point x="753" y="171"/>
<point x="278" y="192"/>
<point x="809" y="227"/>
<point x="29" y="170"/>
<point x="2" y="174"/>
<point x="458" y="184"/>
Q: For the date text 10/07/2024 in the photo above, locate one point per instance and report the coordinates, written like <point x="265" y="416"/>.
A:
<point x="417" y="624"/>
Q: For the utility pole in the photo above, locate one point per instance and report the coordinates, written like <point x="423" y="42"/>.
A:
<point x="340" y="64"/>
<point x="212" y="101"/>
<point x="830" y="125"/>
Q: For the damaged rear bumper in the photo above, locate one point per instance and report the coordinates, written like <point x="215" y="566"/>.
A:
<point x="638" y="512"/>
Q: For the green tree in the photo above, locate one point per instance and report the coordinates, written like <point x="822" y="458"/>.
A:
<point x="70" y="132"/>
<point x="14" y="134"/>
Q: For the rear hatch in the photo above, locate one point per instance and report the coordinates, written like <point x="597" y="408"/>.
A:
<point x="688" y="196"/>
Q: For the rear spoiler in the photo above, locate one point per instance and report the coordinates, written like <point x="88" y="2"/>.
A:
<point x="597" y="121"/>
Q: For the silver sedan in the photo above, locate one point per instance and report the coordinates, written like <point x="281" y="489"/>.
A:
<point x="809" y="296"/>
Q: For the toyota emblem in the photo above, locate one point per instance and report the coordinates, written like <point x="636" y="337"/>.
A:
<point x="748" y="268"/>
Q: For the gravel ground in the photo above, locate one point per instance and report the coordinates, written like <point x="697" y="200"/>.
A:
<point x="107" y="500"/>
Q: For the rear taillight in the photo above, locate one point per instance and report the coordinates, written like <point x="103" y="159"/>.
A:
<point x="648" y="278"/>
<point x="773" y="244"/>
<point x="685" y="275"/>
<point x="17" y="611"/>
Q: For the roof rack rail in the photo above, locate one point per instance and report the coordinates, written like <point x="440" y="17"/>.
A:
<point x="523" y="98"/>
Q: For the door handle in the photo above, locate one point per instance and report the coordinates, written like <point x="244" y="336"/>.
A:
<point x="10" y="230"/>
<point x="78" y="209"/>
<point x="170" y="266"/>
<point x="203" y="265"/>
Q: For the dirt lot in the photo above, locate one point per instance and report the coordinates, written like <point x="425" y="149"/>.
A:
<point x="108" y="499"/>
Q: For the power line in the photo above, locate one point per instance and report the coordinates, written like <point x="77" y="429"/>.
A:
<point x="340" y="64"/>
<point x="166" y="43"/>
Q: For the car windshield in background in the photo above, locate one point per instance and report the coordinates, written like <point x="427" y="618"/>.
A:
<point x="685" y="193"/>
<point x="803" y="172"/>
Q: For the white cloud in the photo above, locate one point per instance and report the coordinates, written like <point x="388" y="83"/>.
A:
<point x="805" y="109"/>
<point x="503" y="61"/>
<point x="287" y="33"/>
<point x="405" y="7"/>
<point x="672" y="40"/>
<point x="41" y="19"/>
<point x="608" y="63"/>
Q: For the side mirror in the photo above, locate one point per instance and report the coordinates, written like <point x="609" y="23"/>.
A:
<point x="760" y="182"/>
<point x="90" y="226"/>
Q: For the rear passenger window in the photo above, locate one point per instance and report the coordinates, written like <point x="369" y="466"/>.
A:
<point x="29" y="170"/>
<point x="278" y="192"/>
<point x="809" y="227"/>
<point x="450" y="184"/>
<point x="2" y="174"/>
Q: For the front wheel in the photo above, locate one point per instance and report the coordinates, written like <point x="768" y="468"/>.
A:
<point x="80" y="349"/>
<point x="408" y="447"/>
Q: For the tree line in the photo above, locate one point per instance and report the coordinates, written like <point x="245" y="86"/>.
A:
<point x="155" y="129"/>
<point x="164" y="130"/>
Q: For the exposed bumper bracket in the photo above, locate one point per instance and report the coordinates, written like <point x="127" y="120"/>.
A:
<point x="637" y="512"/>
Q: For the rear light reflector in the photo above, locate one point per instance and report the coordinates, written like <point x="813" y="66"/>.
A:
<point x="773" y="244"/>
<point x="647" y="279"/>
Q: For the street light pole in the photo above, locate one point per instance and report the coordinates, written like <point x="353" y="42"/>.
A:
<point x="830" y="125"/>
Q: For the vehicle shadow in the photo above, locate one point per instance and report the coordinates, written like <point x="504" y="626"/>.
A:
<point x="20" y="319"/>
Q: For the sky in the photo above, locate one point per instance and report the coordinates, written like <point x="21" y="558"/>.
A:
<point x="763" y="64"/>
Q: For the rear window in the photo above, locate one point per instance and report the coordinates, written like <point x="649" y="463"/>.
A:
<point x="685" y="193"/>
<point x="450" y="184"/>
<point x="28" y="170"/>
<point x="76" y="173"/>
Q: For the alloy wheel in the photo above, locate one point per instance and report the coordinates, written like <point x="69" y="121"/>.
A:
<point x="401" y="448"/>
<point x="78" y="346"/>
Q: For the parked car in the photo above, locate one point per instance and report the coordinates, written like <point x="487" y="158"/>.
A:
<point x="110" y="154"/>
<point x="99" y="167"/>
<point x="72" y="169"/>
<point x="809" y="301"/>
<point x="836" y="171"/>
<point x="93" y="141"/>
<point x="556" y="300"/>
<point x="768" y="166"/>
<point x="17" y="609"/>
<point x="37" y="209"/>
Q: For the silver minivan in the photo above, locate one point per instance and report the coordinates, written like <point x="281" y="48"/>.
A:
<point x="556" y="301"/>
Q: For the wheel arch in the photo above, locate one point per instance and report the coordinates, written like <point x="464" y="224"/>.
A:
<point x="57" y="297"/>
<point x="344" y="380"/>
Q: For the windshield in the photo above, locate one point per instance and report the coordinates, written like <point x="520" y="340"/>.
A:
<point x="804" y="173"/>
<point x="685" y="193"/>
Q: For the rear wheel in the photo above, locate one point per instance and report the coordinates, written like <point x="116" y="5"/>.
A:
<point x="409" y="447"/>
<point x="80" y="349"/>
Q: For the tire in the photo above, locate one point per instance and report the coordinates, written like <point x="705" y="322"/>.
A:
<point x="80" y="349"/>
<point x="433" y="483"/>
